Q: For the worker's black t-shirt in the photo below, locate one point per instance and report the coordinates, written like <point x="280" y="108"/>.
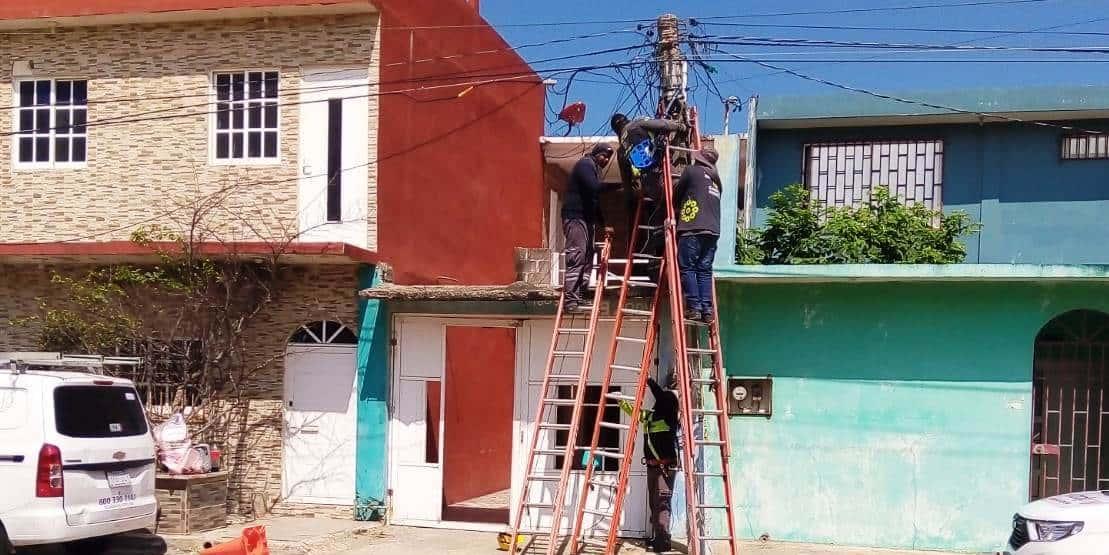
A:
<point x="697" y="201"/>
<point x="583" y="193"/>
<point x="665" y="409"/>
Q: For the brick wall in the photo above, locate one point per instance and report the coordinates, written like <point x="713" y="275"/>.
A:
<point x="253" y="427"/>
<point x="138" y="170"/>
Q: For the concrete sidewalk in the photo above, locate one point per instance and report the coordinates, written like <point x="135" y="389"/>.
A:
<point x="287" y="535"/>
<point x="395" y="540"/>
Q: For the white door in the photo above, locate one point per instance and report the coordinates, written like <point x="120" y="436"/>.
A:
<point x="319" y="424"/>
<point x="535" y="337"/>
<point x="416" y="431"/>
<point x="334" y="155"/>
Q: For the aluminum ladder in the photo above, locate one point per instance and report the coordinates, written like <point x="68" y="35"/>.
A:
<point x="568" y="361"/>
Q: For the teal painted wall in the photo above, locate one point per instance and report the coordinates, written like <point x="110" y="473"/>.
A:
<point x="373" y="402"/>
<point x="901" y="411"/>
<point x="1034" y="207"/>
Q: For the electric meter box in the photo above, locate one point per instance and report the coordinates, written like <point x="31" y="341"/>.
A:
<point x="750" y="396"/>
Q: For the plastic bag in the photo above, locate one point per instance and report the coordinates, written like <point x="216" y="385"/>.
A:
<point x="174" y="448"/>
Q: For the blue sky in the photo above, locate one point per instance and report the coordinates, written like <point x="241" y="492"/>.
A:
<point x="888" y="69"/>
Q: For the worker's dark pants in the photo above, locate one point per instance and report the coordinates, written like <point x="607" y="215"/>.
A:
<point x="653" y="214"/>
<point x="695" y="255"/>
<point x="660" y="488"/>
<point x="579" y="255"/>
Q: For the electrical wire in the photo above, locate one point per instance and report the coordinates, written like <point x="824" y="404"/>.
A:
<point x="257" y="183"/>
<point x="876" y="9"/>
<point x="999" y="32"/>
<point x="160" y="114"/>
<point x="903" y="100"/>
<point x="737" y="40"/>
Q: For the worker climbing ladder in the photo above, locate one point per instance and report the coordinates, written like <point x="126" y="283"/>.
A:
<point x="568" y="362"/>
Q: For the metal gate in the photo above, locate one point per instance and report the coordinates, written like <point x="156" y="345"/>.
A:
<point x="1070" y="417"/>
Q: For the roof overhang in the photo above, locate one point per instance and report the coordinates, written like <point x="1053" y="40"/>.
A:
<point x="115" y="252"/>
<point x="827" y="273"/>
<point x="561" y="153"/>
<point x="517" y="292"/>
<point x="46" y="14"/>
<point x="887" y="120"/>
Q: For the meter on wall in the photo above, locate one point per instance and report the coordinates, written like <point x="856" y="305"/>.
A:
<point x="750" y="396"/>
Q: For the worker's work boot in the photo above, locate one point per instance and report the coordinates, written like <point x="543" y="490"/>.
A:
<point x="692" y="315"/>
<point x="661" y="544"/>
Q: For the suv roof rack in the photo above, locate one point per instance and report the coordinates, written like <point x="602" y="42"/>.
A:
<point x="20" y="362"/>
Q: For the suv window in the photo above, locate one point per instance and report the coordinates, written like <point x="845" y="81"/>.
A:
<point x="98" y="411"/>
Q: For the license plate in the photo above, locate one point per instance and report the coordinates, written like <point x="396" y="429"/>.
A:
<point x="120" y="498"/>
<point x="119" y="479"/>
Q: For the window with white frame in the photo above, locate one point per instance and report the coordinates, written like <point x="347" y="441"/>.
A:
<point x="1087" y="146"/>
<point x="51" y="122"/>
<point x="246" y="116"/>
<point x="845" y="173"/>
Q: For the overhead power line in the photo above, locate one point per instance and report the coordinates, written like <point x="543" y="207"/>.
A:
<point x="975" y="3"/>
<point x="737" y="40"/>
<point x="903" y="100"/>
<point x="999" y="32"/>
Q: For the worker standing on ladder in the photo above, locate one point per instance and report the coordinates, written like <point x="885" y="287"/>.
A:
<point x="697" y="205"/>
<point x="581" y="215"/>
<point x="640" y="170"/>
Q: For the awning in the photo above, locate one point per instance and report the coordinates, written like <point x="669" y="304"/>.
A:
<point x="824" y="273"/>
<point x="114" y="252"/>
<point x="518" y="291"/>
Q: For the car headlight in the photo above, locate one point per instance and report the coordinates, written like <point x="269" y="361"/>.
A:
<point x="1052" y="531"/>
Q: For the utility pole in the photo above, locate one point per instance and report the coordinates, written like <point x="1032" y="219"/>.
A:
<point x="672" y="68"/>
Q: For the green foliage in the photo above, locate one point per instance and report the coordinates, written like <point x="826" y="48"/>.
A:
<point x="800" y="230"/>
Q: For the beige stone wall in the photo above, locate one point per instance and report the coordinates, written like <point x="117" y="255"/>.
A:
<point x="252" y="445"/>
<point x="149" y="86"/>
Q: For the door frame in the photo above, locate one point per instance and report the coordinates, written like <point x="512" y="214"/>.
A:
<point x="351" y="414"/>
<point x="396" y="362"/>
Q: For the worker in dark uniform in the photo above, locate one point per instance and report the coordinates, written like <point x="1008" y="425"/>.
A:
<point x="581" y="216"/>
<point x="640" y="158"/>
<point x="660" y="456"/>
<point x="697" y="205"/>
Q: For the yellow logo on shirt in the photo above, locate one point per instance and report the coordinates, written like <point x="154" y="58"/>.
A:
<point x="690" y="210"/>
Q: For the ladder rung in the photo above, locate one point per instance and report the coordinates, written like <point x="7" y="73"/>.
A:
<point x="649" y="227"/>
<point x="614" y="425"/>
<point x="639" y="340"/>
<point x="609" y="454"/>
<point x="551" y="426"/>
<point x="625" y="261"/>
<point x="597" y="513"/>
<point x="712" y="506"/>
<point x="564" y="378"/>
<point x="707" y="411"/>
<point x="575" y="331"/>
<point x="560" y="402"/>
<point x="625" y="368"/>
<point x="603" y="484"/>
<point x="539" y="505"/>
<point x="550" y="452"/>
<point x="697" y="323"/>
<point x="595" y="542"/>
<point x="569" y="353"/>
<point x="642" y="256"/>
<point x="708" y="474"/>
<point x="708" y="442"/>
<point x="703" y="380"/>
<point x="542" y="478"/>
<point x="699" y="351"/>
<point x="635" y="312"/>
<point x="619" y="397"/>
<point x="715" y="538"/>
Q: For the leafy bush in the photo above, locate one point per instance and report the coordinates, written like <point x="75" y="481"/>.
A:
<point x="800" y="230"/>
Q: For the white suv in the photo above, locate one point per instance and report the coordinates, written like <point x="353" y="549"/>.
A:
<point x="76" y="457"/>
<point x="1069" y="524"/>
